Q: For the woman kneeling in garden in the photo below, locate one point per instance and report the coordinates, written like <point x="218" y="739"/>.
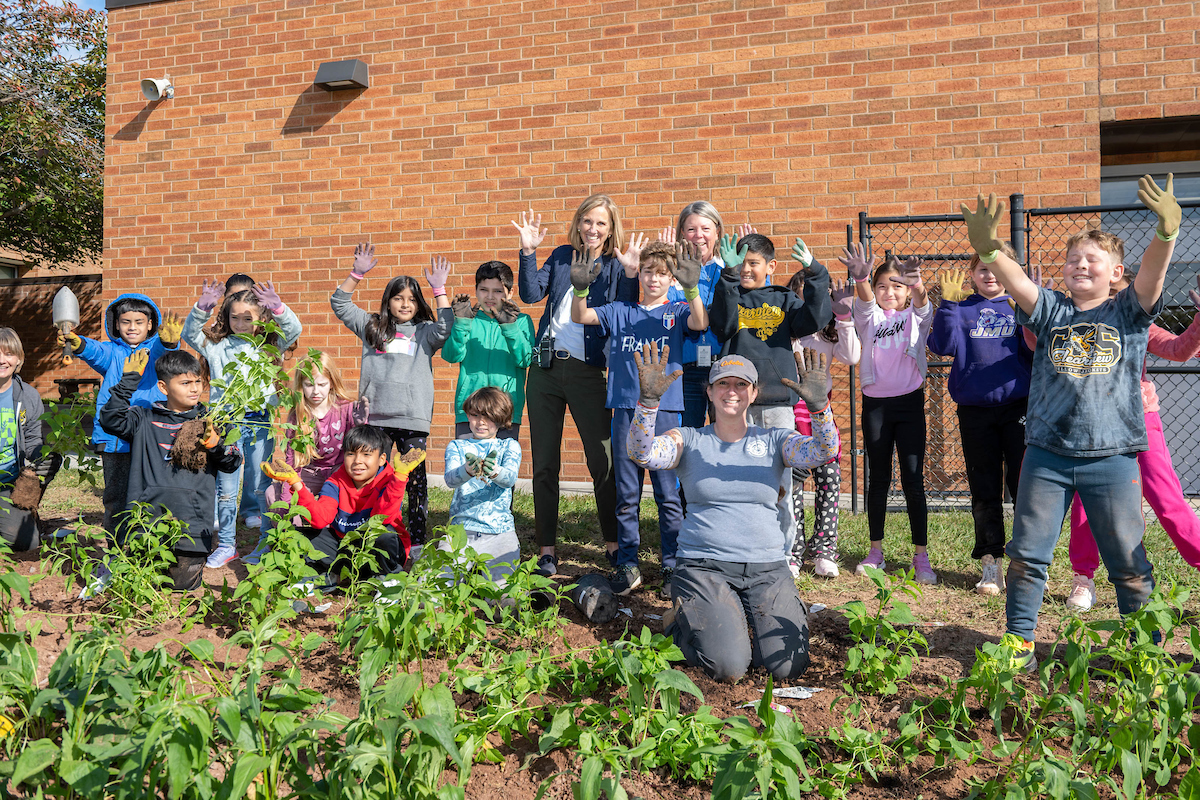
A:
<point x="733" y="547"/>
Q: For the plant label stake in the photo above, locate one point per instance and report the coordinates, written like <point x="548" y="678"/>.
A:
<point x="66" y="317"/>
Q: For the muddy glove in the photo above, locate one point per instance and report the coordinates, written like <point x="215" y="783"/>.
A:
<point x="801" y="253"/>
<point x="137" y="361"/>
<point x="170" y="330"/>
<point x="951" y="282"/>
<point x="983" y="224"/>
<point x="730" y="254"/>
<point x="687" y="268"/>
<point x="211" y="438"/>
<point x="652" y="373"/>
<point x="1162" y="202"/>
<point x="489" y="467"/>
<point x="813" y="388"/>
<point x="910" y="272"/>
<point x="361" y="412"/>
<point x="507" y="312"/>
<point x="584" y="270"/>
<point x="280" y="471"/>
<point x="843" y="298"/>
<point x="364" y="260"/>
<point x="462" y="307"/>
<point x="473" y="463"/>
<point x="406" y="463"/>
<point x="857" y="261"/>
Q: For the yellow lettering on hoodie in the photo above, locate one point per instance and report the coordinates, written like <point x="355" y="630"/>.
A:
<point x="764" y="320"/>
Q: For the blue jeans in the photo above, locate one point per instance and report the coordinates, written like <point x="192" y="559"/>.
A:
<point x="256" y="446"/>
<point x="629" y="492"/>
<point x="695" y="398"/>
<point x="1111" y="490"/>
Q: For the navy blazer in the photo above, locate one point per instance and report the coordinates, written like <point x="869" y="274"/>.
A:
<point x="554" y="278"/>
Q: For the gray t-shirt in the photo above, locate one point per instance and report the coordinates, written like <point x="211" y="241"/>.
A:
<point x="1085" y="394"/>
<point x="732" y="489"/>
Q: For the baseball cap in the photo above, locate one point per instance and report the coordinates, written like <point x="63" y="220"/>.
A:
<point x="733" y="366"/>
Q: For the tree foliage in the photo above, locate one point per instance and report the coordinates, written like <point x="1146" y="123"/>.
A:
<point x="52" y="71"/>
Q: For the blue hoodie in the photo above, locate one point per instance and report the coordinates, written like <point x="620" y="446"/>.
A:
<point x="992" y="363"/>
<point x="108" y="359"/>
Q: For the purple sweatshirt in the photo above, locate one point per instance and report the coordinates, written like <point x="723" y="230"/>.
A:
<point x="992" y="364"/>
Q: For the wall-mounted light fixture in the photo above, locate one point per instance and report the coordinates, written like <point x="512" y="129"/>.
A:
<point x="157" y="88"/>
<point x="335" y="75"/>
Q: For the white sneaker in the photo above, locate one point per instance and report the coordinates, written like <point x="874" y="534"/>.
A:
<point x="307" y="586"/>
<point x="992" y="582"/>
<point x="254" y="521"/>
<point x="221" y="556"/>
<point x="825" y="567"/>
<point x="380" y="600"/>
<point x="1083" y="594"/>
<point x="97" y="584"/>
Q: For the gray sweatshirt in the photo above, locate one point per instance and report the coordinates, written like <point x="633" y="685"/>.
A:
<point x="398" y="381"/>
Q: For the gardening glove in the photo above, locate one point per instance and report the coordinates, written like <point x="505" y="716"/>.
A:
<point x="211" y="438"/>
<point x="473" y="463"/>
<point x="801" y="253"/>
<point x="951" y="282"/>
<point x="910" y="272"/>
<point x="170" y="330"/>
<point x="267" y="296"/>
<point x="210" y="295"/>
<point x="652" y="373"/>
<point x="405" y="464"/>
<point x="364" y="260"/>
<point x="687" y="268"/>
<point x="438" y="272"/>
<point x="584" y="270"/>
<point x="361" y="412"/>
<point x="813" y="388"/>
<point x="858" y="261"/>
<point x="69" y="338"/>
<point x="1162" y="202"/>
<point x="983" y="223"/>
<point x="507" y="312"/>
<point x="280" y="471"/>
<point x="137" y="361"/>
<point x="490" y="467"/>
<point x="462" y="307"/>
<point x="843" y="298"/>
<point x="730" y="254"/>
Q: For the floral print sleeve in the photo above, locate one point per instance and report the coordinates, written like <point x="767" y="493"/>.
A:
<point x="647" y="450"/>
<point x="804" y="452"/>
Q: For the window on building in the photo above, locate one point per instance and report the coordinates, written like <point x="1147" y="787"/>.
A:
<point x="10" y="267"/>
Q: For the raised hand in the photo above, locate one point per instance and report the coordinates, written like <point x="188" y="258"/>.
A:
<point x="361" y="412"/>
<point x="633" y="253"/>
<point x="404" y="464"/>
<point x="461" y="306"/>
<point x="364" y="258"/>
<point x="745" y="229"/>
<point x="910" y="273"/>
<point x="170" y="329"/>
<point x="267" y="296"/>
<point x="530" y="231"/>
<point x="210" y="295"/>
<point x="859" y="261"/>
<point x="279" y="470"/>
<point x="687" y="264"/>
<point x="1162" y="202"/>
<point x="843" y="298"/>
<point x="983" y="223"/>
<point x="584" y="269"/>
<point x="438" y="272"/>
<point x="137" y="361"/>
<point x="667" y="236"/>
<point x="652" y="373"/>
<point x="730" y="254"/>
<point x="813" y="388"/>
<point x="801" y="253"/>
<point x="951" y="282"/>
<point x="507" y="312"/>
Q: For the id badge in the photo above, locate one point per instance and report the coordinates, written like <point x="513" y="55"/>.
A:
<point x="704" y="355"/>
<point x="407" y="347"/>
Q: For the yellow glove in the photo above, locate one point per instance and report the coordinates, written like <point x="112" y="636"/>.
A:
<point x="280" y="471"/>
<point x="1162" y="202"/>
<point x="70" y="338"/>
<point x="170" y="330"/>
<point x="405" y="464"/>
<point x="983" y="223"/>
<point x="952" y="281"/>
<point x="137" y="361"/>
<point x="211" y="439"/>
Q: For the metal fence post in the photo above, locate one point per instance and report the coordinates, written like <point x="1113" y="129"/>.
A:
<point x="1018" y="229"/>
<point x="853" y="408"/>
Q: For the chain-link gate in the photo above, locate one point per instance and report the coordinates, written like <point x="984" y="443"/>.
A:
<point x="1038" y="237"/>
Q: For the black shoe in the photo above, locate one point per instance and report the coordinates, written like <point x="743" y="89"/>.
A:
<point x="625" y="579"/>
<point x="664" y="591"/>
<point x="547" y="565"/>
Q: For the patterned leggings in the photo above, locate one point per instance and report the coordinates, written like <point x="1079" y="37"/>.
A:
<point x="417" y="492"/>
<point x="827" y="480"/>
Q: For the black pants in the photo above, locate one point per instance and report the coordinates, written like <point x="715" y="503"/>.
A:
<point x="993" y="442"/>
<point x="417" y="491"/>
<point x="389" y="553"/>
<point x="896" y="423"/>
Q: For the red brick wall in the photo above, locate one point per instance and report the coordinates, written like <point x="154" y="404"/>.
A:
<point x="27" y="310"/>
<point x="793" y="117"/>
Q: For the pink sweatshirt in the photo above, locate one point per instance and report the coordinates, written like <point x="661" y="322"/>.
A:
<point x="1165" y="344"/>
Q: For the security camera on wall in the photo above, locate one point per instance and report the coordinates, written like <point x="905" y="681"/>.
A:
<point x="158" y="88"/>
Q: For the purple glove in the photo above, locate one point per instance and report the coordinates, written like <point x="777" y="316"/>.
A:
<point x="210" y="296"/>
<point x="266" y="294"/>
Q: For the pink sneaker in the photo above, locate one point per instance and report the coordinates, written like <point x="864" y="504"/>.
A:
<point x="874" y="559"/>
<point x="924" y="572"/>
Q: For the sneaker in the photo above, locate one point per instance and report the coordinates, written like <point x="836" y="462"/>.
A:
<point x="825" y="567"/>
<point x="1020" y="651"/>
<point x="99" y="581"/>
<point x="221" y="556"/>
<point x="664" y="591"/>
<point x="547" y="565"/>
<point x="611" y="555"/>
<point x="254" y="521"/>
<point x="253" y="558"/>
<point x="922" y="572"/>
<point x="992" y="582"/>
<point x="794" y="565"/>
<point x="874" y="559"/>
<point x="625" y="579"/>
<point x="380" y="600"/>
<point x="1083" y="594"/>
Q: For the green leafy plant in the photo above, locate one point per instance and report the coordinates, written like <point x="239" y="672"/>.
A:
<point x="886" y="644"/>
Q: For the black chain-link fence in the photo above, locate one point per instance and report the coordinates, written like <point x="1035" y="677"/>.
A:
<point x="1038" y="237"/>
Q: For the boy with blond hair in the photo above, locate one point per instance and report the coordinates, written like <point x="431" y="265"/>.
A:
<point x="1085" y="424"/>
